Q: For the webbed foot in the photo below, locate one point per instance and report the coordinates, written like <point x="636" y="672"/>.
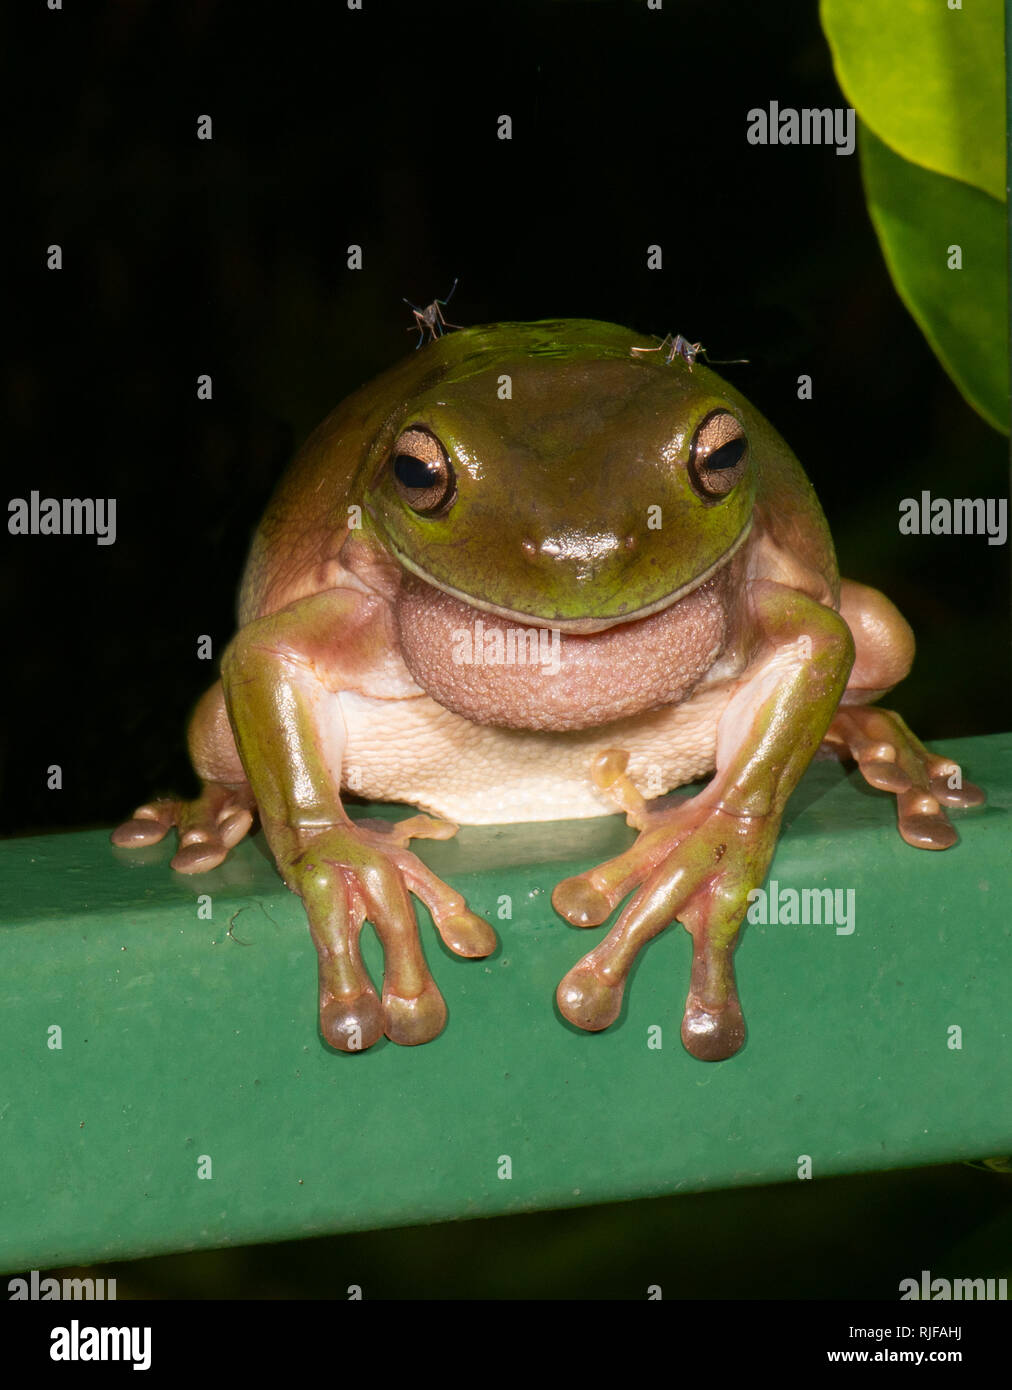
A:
<point x="348" y="872"/>
<point x="893" y="760"/>
<point x="208" y="827"/>
<point x="692" y="861"/>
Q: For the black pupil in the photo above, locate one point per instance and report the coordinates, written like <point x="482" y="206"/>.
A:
<point x="727" y="456"/>
<point x="416" y="473"/>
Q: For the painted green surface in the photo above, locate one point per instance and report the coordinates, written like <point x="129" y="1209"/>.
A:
<point x="180" y="1042"/>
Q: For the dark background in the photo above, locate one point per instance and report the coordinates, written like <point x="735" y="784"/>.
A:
<point x="229" y="257"/>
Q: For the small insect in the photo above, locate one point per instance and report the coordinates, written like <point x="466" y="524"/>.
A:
<point x="678" y="346"/>
<point x="431" y="318"/>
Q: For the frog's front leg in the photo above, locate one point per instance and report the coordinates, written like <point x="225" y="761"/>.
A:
<point x="282" y="676"/>
<point x="889" y="756"/>
<point x="697" y="861"/>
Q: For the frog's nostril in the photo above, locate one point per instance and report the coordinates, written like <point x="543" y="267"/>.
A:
<point x="631" y="541"/>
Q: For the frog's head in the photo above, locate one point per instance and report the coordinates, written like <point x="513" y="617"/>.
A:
<point x="546" y="473"/>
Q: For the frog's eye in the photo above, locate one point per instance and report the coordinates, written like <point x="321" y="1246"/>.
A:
<point x="422" y="472"/>
<point x="719" y="455"/>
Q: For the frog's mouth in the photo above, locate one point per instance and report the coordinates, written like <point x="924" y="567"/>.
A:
<point x="577" y="626"/>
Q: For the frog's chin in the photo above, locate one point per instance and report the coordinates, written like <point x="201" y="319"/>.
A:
<point x="576" y="625"/>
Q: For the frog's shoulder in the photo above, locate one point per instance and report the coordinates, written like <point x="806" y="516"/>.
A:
<point x="305" y="523"/>
<point x="307" y="520"/>
<point x="792" y="542"/>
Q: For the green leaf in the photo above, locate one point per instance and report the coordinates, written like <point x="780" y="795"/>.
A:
<point x="928" y="80"/>
<point x="963" y="313"/>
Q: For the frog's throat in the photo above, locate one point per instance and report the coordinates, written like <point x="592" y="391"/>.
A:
<point x="577" y="625"/>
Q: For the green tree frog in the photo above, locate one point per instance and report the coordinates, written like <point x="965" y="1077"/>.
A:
<point x="540" y="571"/>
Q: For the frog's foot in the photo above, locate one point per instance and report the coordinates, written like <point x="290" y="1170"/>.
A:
<point x="346" y="873"/>
<point x="892" y="759"/>
<point x="208" y="827"/>
<point x="694" y="862"/>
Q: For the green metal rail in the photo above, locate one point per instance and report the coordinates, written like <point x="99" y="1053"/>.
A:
<point x="192" y="1103"/>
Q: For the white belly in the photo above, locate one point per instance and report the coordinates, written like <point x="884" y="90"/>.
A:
<point x="416" y="751"/>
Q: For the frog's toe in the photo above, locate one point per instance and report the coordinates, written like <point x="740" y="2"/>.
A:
<point x="885" y="775"/>
<point x="713" y="1036"/>
<point x="206" y="834"/>
<point x="463" y="931"/>
<point x="410" y="1022"/>
<point x="198" y="857"/>
<point x="586" y="1000"/>
<point x="923" y="823"/>
<point x="580" y="902"/>
<point x="148" y="825"/>
<point x="234" y="827"/>
<point x="351" y="1023"/>
<point x="588" y="899"/>
<point x="963" y="795"/>
<point x="468" y="935"/>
